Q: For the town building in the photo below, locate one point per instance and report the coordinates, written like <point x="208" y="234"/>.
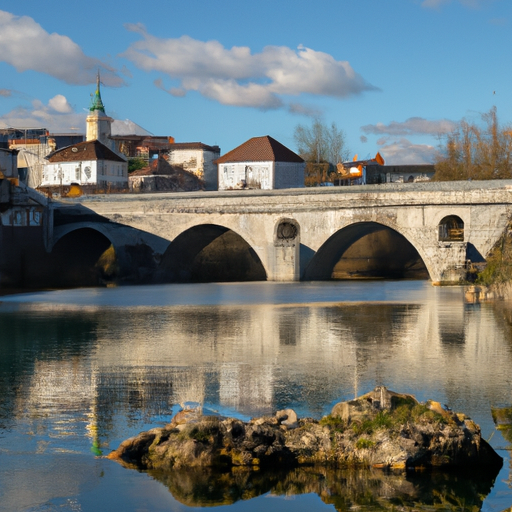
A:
<point x="95" y="162"/>
<point x="160" y="176"/>
<point x="374" y="171"/>
<point x="88" y="163"/>
<point x="33" y="145"/>
<point x="98" y="124"/>
<point x="260" y="163"/>
<point x="198" y="159"/>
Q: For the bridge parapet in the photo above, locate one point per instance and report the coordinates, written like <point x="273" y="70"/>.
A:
<point x="415" y="211"/>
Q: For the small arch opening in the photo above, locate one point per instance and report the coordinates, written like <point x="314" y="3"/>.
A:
<point x="286" y="232"/>
<point x="451" y="229"/>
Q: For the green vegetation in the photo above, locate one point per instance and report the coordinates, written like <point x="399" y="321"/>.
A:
<point x="334" y="422"/>
<point x="364" y="443"/>
<point x="382" y="420"/>
<point x="407" y="411"/>
<point x="499" y="262"/>
<point x="502" y="418"/>
<point x="136" y="163"/>
<point x="202" y="432"/>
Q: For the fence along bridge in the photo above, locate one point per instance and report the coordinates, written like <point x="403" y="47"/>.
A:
<point x="288" y="235"/>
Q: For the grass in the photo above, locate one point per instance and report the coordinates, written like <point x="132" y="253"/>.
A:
<point x="201" y="432"/>
<point x="389" y="420"/>
<point x="334" y="422"/>
<point x="364" y="444"/>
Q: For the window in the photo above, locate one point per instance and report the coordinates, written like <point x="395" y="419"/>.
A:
<point x="77" y="173"/>
<point x="451" y="229"/>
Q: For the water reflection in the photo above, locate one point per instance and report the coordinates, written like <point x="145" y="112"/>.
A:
<point x="344" y="489"/>
<point x="82" y="370"/>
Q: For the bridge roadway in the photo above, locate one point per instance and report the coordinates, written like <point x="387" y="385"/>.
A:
<point x="301" y="233"/>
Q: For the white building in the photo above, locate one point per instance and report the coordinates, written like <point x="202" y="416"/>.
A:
<point x="93" y="162"/>
<point x="98" y="124"/>
<point x="260" y="163"/>
<point x="197" y="158"/>
<point x="86" y="163"/>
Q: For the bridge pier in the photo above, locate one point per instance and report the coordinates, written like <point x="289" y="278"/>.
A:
<point x="285" y="253"/>
<point x="451" y="263"/>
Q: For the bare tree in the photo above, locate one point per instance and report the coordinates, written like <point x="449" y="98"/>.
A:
<point x="320" y="143"/>
<point x="476" y="152"/>
<point x="322" y="147"/>
<point x="338" y="151"/>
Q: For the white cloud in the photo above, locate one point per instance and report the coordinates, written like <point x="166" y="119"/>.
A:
<point x="238" y="77"/>
<point x="6" y="93"/>
<point x="27" y="46"/>
<point x="56" y="116"/>
<point x="304" y="110"/>
<point x="436" y="4"/>
<point x="60" y="104"/>
<point x="412" y="126"/>
<point x="404" y="152"/>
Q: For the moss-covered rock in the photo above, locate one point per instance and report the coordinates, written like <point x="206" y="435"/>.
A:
<point x="380" y="429"/>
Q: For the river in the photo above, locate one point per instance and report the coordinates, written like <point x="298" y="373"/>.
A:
<point x="81" y="370"/>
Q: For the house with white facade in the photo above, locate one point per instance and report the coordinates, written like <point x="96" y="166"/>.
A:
<point x="260" y="163"/>
<point x="86" y="163"/>
<point x="196" y="158"/>
<point x="94" y="162"/>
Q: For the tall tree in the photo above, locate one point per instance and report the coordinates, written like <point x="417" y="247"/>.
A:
<point x="476" y="151"/>
<point x="322" y="147"/>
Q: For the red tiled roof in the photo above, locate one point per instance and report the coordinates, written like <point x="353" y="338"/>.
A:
<point x="89" y="150"/>
<point x="260" y="149"/>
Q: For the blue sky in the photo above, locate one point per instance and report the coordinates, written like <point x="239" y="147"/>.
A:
<point x="393" y="74"/>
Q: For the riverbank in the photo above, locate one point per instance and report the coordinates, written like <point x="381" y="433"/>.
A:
<point x="494" y="282"/>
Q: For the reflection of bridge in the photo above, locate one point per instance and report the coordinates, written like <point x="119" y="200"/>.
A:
<point x="293" y="234"/>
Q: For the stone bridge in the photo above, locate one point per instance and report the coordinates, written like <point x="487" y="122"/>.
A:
<point x="296" y="234"/>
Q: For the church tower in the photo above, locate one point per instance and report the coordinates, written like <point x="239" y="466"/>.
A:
<point x="98" y="123"/>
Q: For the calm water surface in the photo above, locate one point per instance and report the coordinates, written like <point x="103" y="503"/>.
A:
<point x="82" y="370"/>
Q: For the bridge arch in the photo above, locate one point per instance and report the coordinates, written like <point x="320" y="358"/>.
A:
<point x="82" y="256"/>
<point x="367" y="249"/>
<point x="210" y="253"/>
<point x="60" y="232"/>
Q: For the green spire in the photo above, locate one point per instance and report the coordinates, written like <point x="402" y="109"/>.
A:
<point x="96" y="103"/>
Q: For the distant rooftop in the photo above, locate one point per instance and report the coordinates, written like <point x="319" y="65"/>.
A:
<point x="89" y="150"/>
<point x="127" y="127"/>
<point x="260" y="149"/>
<point x="195" y="145"/>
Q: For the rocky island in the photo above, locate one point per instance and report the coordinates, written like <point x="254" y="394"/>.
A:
<point x="380" y="429"/>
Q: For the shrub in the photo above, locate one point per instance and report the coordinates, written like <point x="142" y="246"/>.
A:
<point x="363" y="443"/>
